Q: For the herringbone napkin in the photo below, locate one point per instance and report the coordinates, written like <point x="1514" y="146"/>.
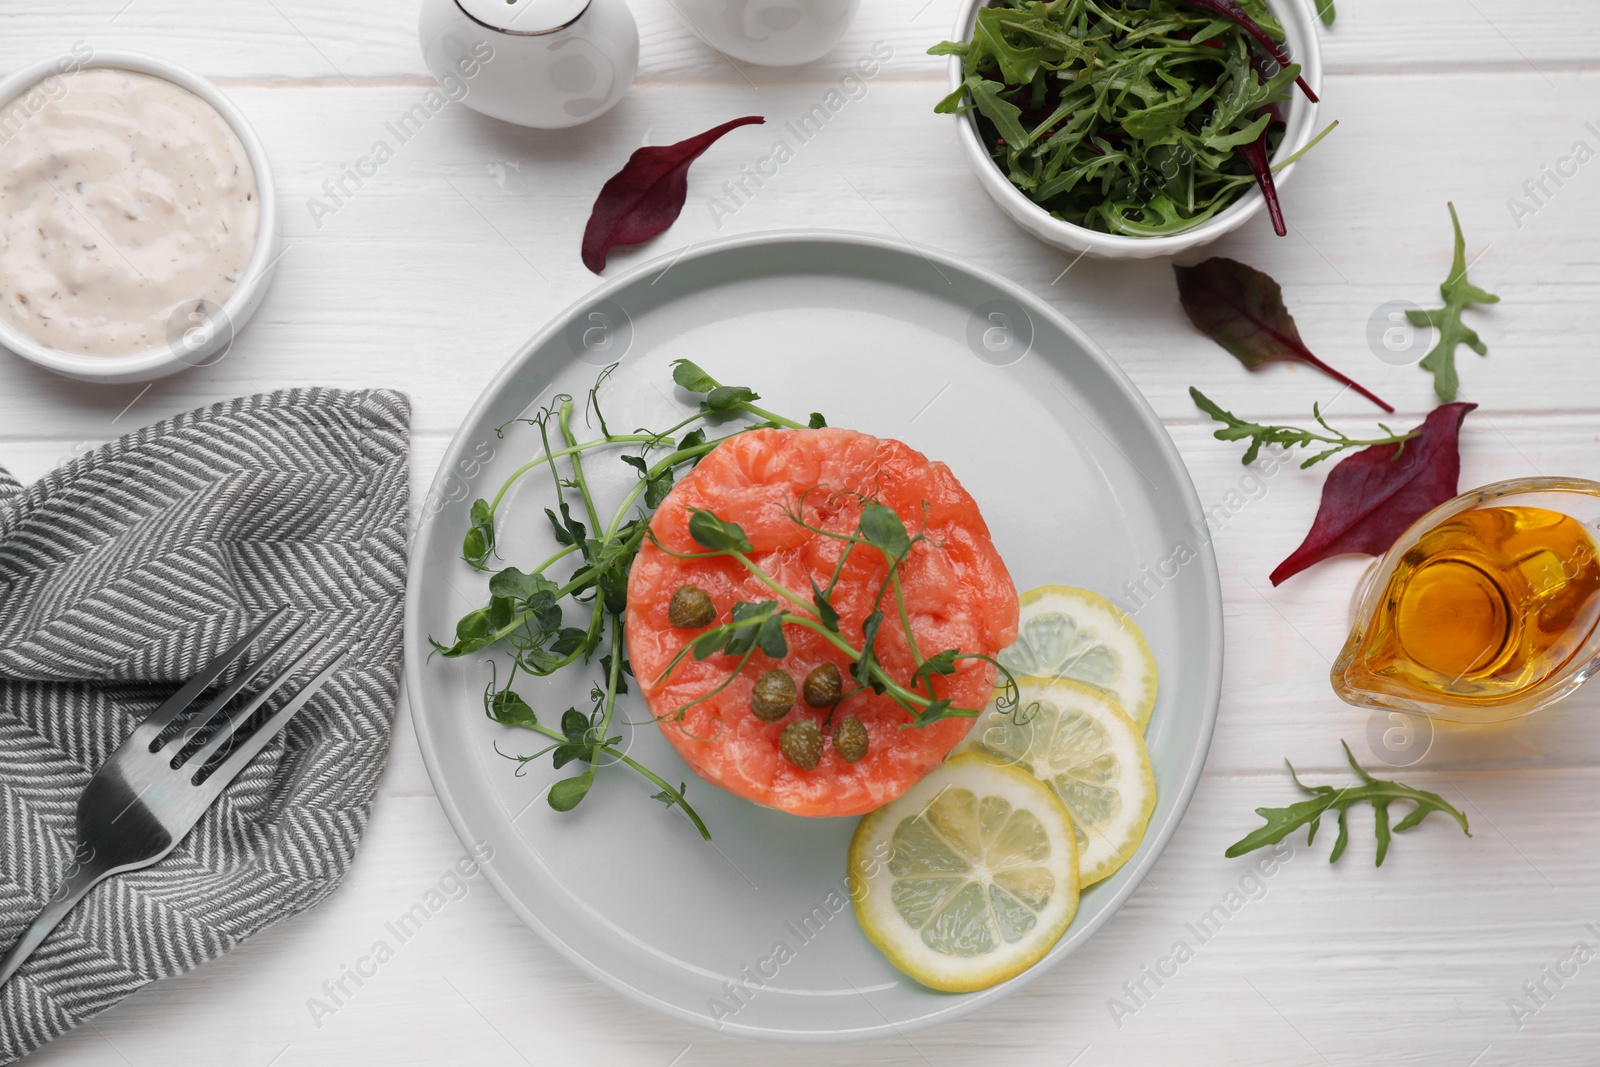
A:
<point x="124" y="572"/>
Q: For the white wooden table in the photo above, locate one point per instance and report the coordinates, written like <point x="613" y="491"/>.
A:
<point x="467" y="242"/>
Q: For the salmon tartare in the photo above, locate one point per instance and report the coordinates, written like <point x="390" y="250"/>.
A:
<point x="774" y="484"/>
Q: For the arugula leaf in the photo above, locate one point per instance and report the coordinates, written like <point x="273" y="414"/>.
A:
<point x="1233" y="12"/>
<point x="1132" y="117"/>
<point x="1459" y="294"/>
<point x="1260" y="436"/>
<point x="1281" y="822"/>
<point x="1006" y="116"/>
<point x="711" y="532"/>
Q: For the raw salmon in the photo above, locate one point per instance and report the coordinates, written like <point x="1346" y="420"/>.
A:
<point x="958" y="595"/>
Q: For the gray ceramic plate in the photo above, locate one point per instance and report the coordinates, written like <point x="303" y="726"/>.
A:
<point x="1075" y="475"/>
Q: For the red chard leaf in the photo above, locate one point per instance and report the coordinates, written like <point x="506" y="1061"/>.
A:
<point x="1242" y="310"/>
<point x="1255" y="157"/>
<point x="647" y="194"/>
<point x="1373" y="496"/>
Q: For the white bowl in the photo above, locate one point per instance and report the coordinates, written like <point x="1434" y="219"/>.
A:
<point x="1301" y="44"/>
<point x="206" y="341"/>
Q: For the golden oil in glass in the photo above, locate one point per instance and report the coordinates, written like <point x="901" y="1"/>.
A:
<point x="1491" y="605"/>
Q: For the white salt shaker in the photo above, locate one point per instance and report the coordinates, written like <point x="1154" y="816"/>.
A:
<point x="542" y="63"/>
<point x="773" y="33"/>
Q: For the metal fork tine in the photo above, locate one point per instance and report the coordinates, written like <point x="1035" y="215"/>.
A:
<point x="236" y="761"/>
<point x="127" y="835"/>
<point x="179" y="702"/>
<point x="230" y="725"/>
<point x="220" y="702"/>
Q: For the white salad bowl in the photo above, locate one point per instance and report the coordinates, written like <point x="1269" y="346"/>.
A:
<point x="1300" y="43"/>
<point x="207" y="337"/>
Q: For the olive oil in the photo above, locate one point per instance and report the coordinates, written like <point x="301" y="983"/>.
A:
<point x="1486" y="606"/>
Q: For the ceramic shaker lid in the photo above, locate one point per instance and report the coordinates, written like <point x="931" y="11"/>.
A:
<point x="523" y="16"/>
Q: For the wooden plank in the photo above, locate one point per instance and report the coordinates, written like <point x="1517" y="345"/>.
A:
<point x="435" y="270"/>
<point x="1350" y="962"/>
<point x="1276" y="700"/>
<point x="340" y="44"/>
<point x="466" y="243"/>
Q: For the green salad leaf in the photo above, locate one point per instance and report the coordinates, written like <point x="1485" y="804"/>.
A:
<point x="1134" y="117"/>
<point x="1281" y="822"/>
<point x="1459" y="294"/>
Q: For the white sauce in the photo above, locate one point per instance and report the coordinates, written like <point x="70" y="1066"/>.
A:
<point x="122" y="198"/>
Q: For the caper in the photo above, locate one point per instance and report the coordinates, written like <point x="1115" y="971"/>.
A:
<point x="773" y="696"/>
<point x="691" y="608"/>
<point x="801" y="744"/>
<point x="850" y="739"/>
<point x="823" y="686"/>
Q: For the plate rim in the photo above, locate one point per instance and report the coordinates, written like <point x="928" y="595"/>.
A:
<point x="415" y="640"/>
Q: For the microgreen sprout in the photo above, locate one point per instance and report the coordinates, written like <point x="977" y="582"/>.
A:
<point x="527" y="611"/>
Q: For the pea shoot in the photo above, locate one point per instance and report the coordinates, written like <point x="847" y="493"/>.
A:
<point x="527" y="611"/>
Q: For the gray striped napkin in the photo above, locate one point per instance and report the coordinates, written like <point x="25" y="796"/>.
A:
<point x="121" y="574"/>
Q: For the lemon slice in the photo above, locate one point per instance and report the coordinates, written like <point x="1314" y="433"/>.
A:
<point x="1077" y="741"/>
<point x="1076" y="634"/>
<point x="969" y="877"/>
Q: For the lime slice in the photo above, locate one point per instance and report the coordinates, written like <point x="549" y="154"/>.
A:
<point x="1076" y="634"/>
<point x="969" y="877"/>
<point x="1078" y="742"/>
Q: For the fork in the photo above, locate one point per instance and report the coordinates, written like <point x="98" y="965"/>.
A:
<point x="157" y="784"/>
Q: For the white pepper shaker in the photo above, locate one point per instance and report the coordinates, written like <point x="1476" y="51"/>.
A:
<point x="542" y="63"/>
<point x="773" y="33"/>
